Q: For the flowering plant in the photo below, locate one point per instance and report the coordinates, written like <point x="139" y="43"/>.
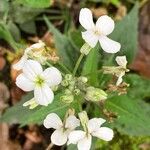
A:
<point x="76" y="95"/>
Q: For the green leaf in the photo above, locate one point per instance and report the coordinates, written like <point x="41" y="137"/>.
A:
<point x="6" y="35"/>
<point x="133" y="115"/>
<point x="24" y="116"/>
<point x="66" y="52"/>
<point x="21" y="14"/>
<point x="139" y="86"/>
<point x="126" y="33"/>
<point x="28" y="27"/>
<point x="90" y="67"/>
<point x="36" y="3"/>
<point x="76" y="39"/>
<point x="14" y="30"/>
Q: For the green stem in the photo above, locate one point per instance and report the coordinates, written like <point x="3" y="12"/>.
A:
<point x="64" y="67"/>
<point x="78" y="63"/>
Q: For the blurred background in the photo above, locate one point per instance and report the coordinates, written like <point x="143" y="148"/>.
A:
<point x="24" y="22"/>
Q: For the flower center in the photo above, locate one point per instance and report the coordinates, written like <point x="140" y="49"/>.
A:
<point x="39" y="81"/>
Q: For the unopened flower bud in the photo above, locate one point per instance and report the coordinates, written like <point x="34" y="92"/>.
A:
<point x="68" y="77"/>
<point x="83" y="79"/>
<point x="68" y="92"/>
<point x="95" y="94"/>
<point x="54" y="88"/>
<point x="85" y="49"/>
<point x="67" y="98"/>
<point x="71" y="88"/>
<point x="31" y="103"/>
<point x="76" y="91"/>
<point x="84" y="119"/>
<point x="64" y="83"/>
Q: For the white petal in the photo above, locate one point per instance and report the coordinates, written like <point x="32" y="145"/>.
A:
<point x="43" y="95"/>
<point x="86" y="18"/>
<point x="72" y="122"/>
<point x="52" y="121"/>
<point x="59" y="137"/>
<point x="52" y="76"/>
<point x="119" y="81"/>
<point x="121" y="61"/>
<point x="85" y="144"/>
<point x="109" y="45"/>
<point x="76" y="136"/>
<point x="24" y="83"/>
<point x="105" y="25"/>
<point x="94" y="124"/>
<point x="90" y="38"/>
<point x="32" y="68"/>
<point x="38" y="45"/>
<point x="19" y="65"/>
<point x="104" y="133"/>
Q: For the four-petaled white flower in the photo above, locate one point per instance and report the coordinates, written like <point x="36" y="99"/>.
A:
<point x="83" y="139"/>
<point x="122" y="62"/>
<point x="19" y="65"/>
<point x="60" y="135"/>
<point x="104" y="26"/>
<point x="34" y="78"/>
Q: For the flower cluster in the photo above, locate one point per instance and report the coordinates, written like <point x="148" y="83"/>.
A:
<point x="41" y="77"/>
<point x="65" y="131"/>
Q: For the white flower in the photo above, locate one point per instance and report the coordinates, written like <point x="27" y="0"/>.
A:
<point x="83" y="139"/>
<point x="60" y="135"/>
<point x="94" y="33"/>
<point x="34" y="78"/>
<point x="122" y="62"/>
<point x="19" y="65"/>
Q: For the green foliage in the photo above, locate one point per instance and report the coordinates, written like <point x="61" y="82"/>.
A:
<point x="126" y="33"/>
<point x="139" y="86"/>
<point x="7" y="36"/>
<point x="133" y="113"/>
<point x="36" y="3"/>
<point x="91" y="65"/>
<point x="65" y="50"/>
<point x="24" y="116"/>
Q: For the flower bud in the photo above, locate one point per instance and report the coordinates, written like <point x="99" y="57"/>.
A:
<point x="67" y="98"/>
<point x="31" y="103"/>
<point x="76" y="91"/>
<point x="85" y="49"/>
<point x="68" y="77"/>
<point x="95" y="94"/>
<point x="64" y="83"/>
<point x="84" y="119"/>
<point x="83" y="79"/>
<point x="68" y="92"/>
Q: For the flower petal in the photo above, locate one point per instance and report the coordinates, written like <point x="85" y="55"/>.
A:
<point x="76" y="136"/>
<point x="19" y="65"/>
<point x="86" y="18"/>
<point x="32" y="68"/>
<point x="38" y="45"/>
<point x="90" y="38"/>
<point x="59" y="137"/>
<point x="72" y="122"/>
<point x="121" y="61"/>
<point x="85" y="144"/>
<point x="94" y="124"/>
<point x="109" y="45"/>
<point x="105" y="25"/>
<point x="43" y="95"/>
<point x="24" y="83"/>
<point x="104" y="133"/>
<point x="52" y="76"/>
<point x="119" y="81"/>
<point x="52" y="121"/>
